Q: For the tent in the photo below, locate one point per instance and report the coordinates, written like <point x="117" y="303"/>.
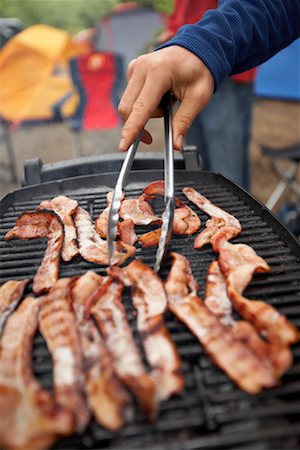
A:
<point x="279" y="77"/>
<point x="128" y="30"/>
<point x="34" y="74"/>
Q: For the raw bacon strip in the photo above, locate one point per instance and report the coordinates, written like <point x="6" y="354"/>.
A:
<point x="42" y="224"/>
<point x="110" y="316"/>
<point x="108" y="398"/>
<point x="92" y="248"/>
<point x="150" y="301"/>
<point x="28" y="416"/>
<point x="221" y="222"/>
<point x="229" y="354"/>
<point x="57" y="324"/>
<point x="11" y="294"/>
<point x="277" y="357"/>
<point x="64" y="207"/>
<point x="238" y="263"/>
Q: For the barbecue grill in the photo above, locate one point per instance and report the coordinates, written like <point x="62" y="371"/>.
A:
<point x="211" y="412"/>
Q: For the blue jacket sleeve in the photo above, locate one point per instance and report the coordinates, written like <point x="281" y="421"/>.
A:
<point x="240" y="34"/>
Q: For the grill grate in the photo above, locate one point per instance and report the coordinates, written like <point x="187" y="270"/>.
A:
<point x="211" y="412"/>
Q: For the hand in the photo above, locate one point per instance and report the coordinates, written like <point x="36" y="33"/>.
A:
<point x="149" y="78"/>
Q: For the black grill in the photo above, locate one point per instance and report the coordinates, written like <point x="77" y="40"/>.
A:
<point x="212" y="412"/>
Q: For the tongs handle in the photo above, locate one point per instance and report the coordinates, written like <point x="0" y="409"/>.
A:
<point x="168" y="214"/>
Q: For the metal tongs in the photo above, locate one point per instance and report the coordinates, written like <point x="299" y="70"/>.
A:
<point x="168" y="214"/>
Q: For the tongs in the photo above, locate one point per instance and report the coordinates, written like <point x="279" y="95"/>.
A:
<point x="168" y="214"/>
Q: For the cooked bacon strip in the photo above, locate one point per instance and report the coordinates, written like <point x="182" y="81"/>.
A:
<point x="28" y="416"/>
<point x="238" y="263"/>
<point x="186" y="220"/>
<point x="11" y="294"/>
<point x="42" y="224"/>
<point x="221" y="222"/>
<point x="127" y="233"/>
<point x="101" y="223"/>
<point x="110" y="316"/>
<point x="107" y="396"/>
<point x="139" y="211"/>
<point x="64" y="207"/>
<point x="150" y="301"/>
<point x="150" y="239"/>
<point x="57" y="324"/>
<point x="277" y="357"/>
<point x="219" y="341"/>
<point x="91" y="247"/>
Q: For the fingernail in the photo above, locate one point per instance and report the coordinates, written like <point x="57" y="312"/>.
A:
<point x="179" y="142"/>
<point x="122" y="145"/>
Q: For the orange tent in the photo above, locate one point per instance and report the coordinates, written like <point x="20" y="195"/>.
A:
<point x="34" y="74"/>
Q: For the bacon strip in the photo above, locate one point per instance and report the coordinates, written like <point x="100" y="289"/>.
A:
<point x="57" y="324"/>
<point x="186" y="220"/>
<point x="11" y="294"/>
<point x="28" y="417"/>
<point x="64" y="207"/>
<point x="221" y="222"/>
<point x="150" y="301"/>
<point x="92" y="248"/>
<point x="277" y="357"/>
<point x="101" y="223"/>
<point x="42" y="224"/>
<point x="139" y="211"/>
<point x="229" y="354"/>
<point x="238" y="263"/>
<point x="110" y="316"/>
<point x="109" y="400"/>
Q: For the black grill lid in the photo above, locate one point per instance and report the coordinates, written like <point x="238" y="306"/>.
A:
<point x="211" y="412"/>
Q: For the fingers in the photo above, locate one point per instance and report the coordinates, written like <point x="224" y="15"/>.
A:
<point x="140" y="108"/>
<point x="192" y="103"/>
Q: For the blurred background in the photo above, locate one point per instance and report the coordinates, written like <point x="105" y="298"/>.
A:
<point x="62" y="71"/>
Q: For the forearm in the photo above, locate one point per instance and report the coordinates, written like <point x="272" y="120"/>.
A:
<point x="240" y="34"/>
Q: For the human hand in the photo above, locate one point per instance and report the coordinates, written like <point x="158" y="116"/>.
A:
<point x="149" y="78"/>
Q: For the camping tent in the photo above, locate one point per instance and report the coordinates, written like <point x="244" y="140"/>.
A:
<point x="34" y="74"/>
<point x="128" y="30"/>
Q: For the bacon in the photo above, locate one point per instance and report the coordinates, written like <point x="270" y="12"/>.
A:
<point x="276" y="357"/>
<point x="92" y="248"/>
<point x="127" y="233"/>
<point x="150" y="301"/>
<point x="150" y="239"/>
<point x="64" y="207"/>
<point x="219" y="341"/>
<point x="11" y="294"/>
<point x="111" y="319"/>
<point x="101" y="223"/>
<point x="125" y="229"/>
<point x="238" y="263"/>
<point x="29" y="418"/>
<point x="221" y="222"/>
<point x="109" y="400"/>
<point x="186" y="220"/>
<point x="139" y="211"/>
<point x="42" y="224"/>
<point x="57" y="324"/>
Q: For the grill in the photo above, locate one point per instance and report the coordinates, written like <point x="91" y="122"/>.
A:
<point x="211" y="412"/>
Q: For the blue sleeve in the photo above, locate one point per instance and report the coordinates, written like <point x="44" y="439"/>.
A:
<point x="240" y="34"/>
